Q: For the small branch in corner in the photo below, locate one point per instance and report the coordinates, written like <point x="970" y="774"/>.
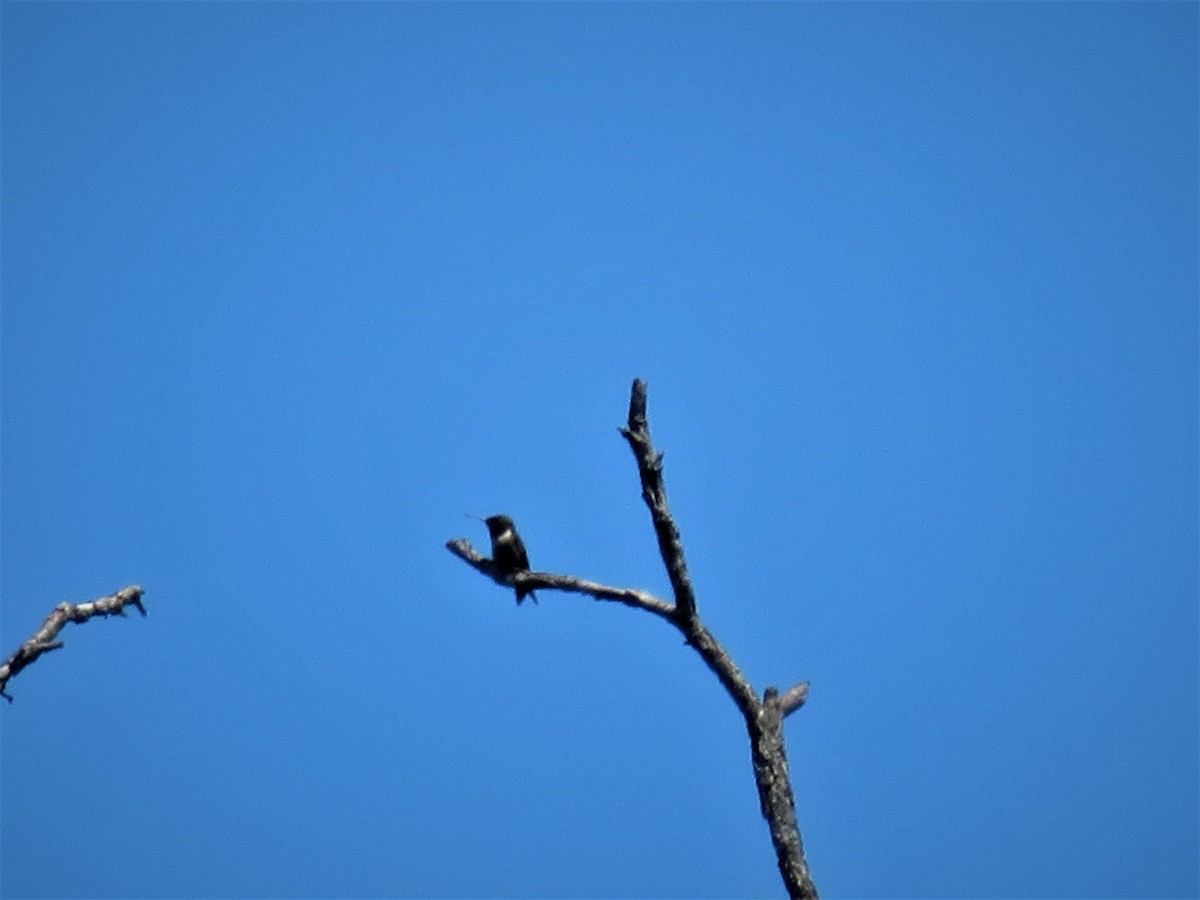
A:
<point x="43" y="640"/>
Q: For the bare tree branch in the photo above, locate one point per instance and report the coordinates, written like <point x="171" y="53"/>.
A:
<point x="43" y="640"/>
<point x="654" y="493"/>
<point x="794" y="699"/>
<point x="775" y="794"/>
<point x="462" y="548"/>
<point x="764" y="718"/>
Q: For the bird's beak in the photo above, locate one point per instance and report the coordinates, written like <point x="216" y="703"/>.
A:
<point x="476" y="518"/>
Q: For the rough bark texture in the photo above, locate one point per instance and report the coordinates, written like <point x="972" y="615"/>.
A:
<point x="775" y="794"/>
<point x="43" y="640"/>
<point x="764" y="718"/>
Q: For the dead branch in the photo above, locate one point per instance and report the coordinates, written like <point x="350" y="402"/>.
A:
<point x="764" y="718"/>
<point x="654" y="493"/>
<point x="462" y="548"/>
<point x="43" y="640"/>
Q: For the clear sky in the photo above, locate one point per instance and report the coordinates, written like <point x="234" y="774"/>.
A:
<point x="288" y="289"/>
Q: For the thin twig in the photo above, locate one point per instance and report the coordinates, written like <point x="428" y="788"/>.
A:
<point x="462" y="548"/>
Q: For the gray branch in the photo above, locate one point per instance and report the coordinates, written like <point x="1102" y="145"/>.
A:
<point x="764" y="718"/>
<point x="654" y="493"/>
<point x="43" y="640"/>
<point x="462" y="548"/>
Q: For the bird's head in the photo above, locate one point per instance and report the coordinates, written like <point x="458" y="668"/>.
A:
<point x="496" y="525"/>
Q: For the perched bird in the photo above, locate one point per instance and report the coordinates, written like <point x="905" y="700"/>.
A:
<point x="508" y="551"/>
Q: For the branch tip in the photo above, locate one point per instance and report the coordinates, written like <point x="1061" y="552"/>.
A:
<point x="637" y="406"/>
<point x="795" y="698"/>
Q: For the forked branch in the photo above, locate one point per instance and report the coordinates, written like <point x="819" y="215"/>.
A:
<point x="764" y="718"/>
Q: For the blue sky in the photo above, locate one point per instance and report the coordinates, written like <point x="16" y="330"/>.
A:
<point x="288" y="289"/>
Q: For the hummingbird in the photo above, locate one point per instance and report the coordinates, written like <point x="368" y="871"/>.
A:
<point x="508" y="550"/>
